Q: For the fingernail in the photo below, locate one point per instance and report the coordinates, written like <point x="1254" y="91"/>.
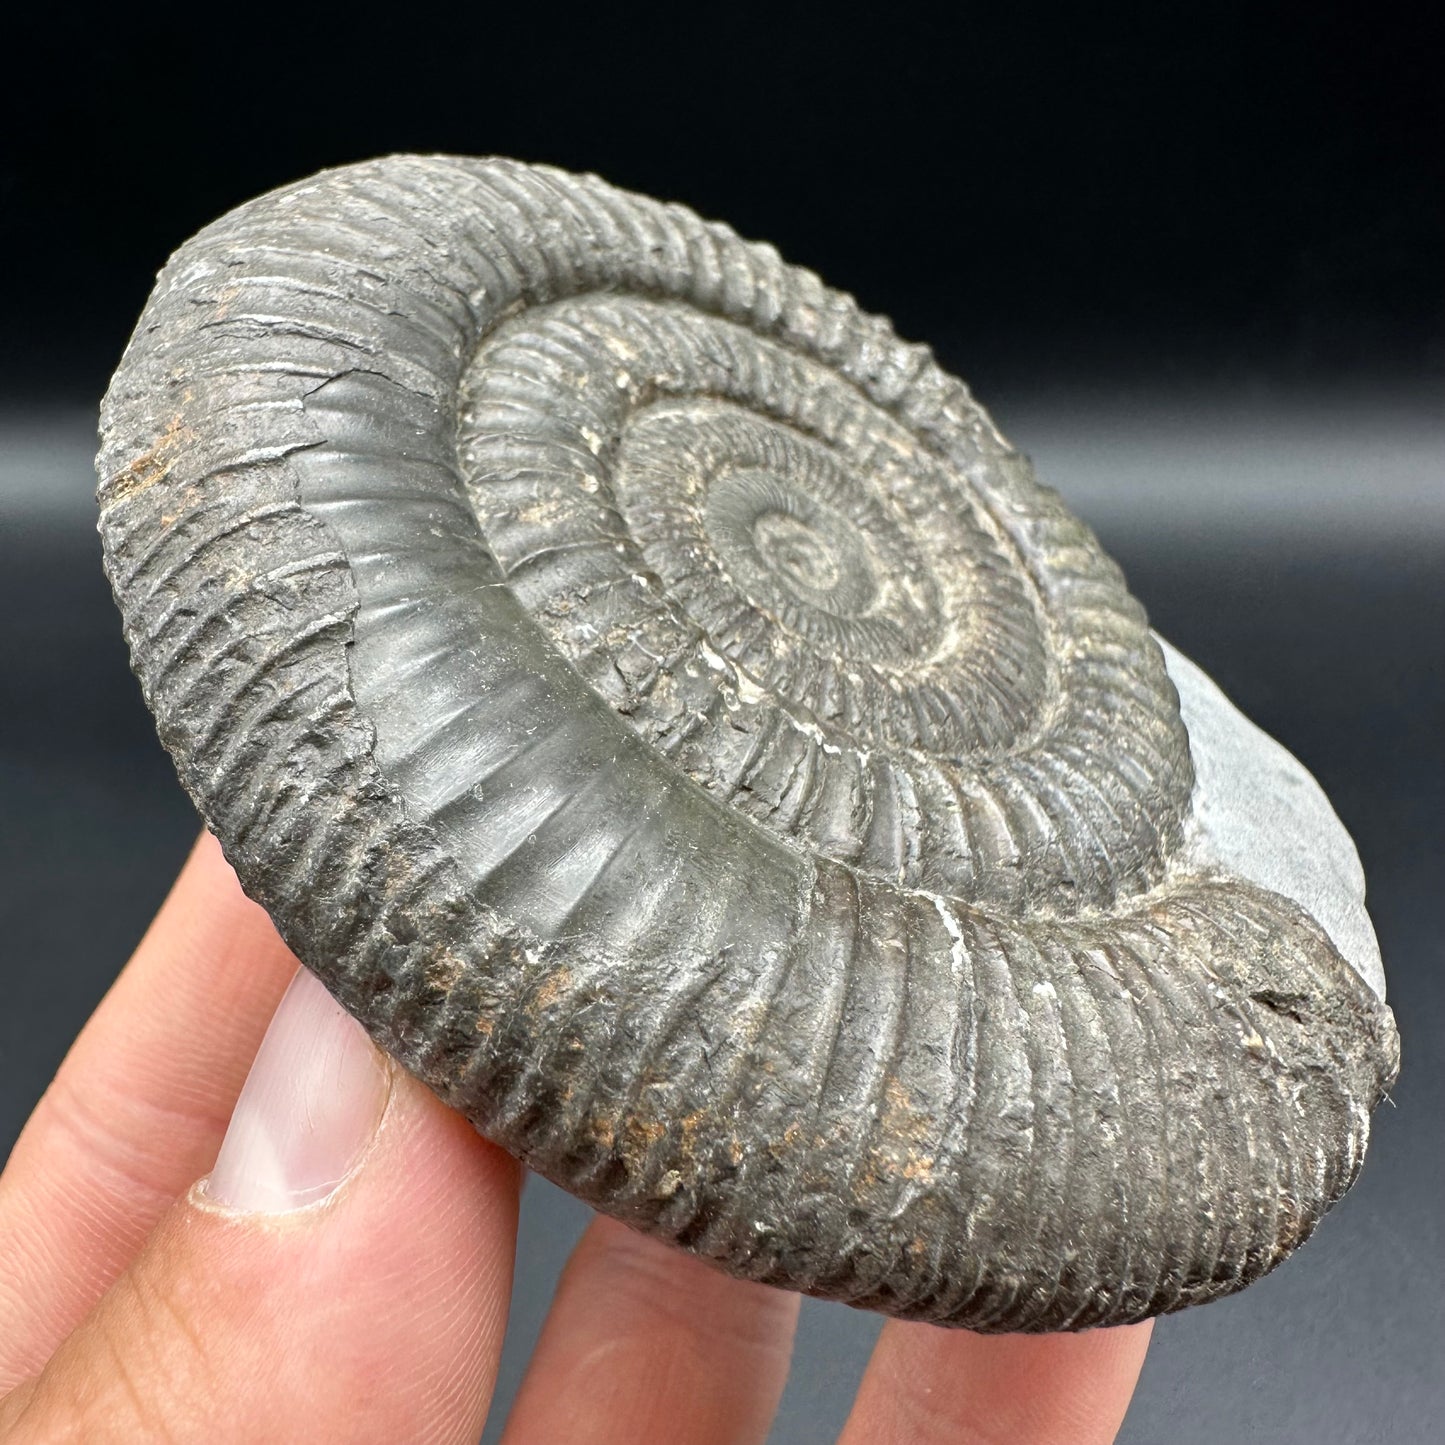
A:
<point x="308" y="1111"/>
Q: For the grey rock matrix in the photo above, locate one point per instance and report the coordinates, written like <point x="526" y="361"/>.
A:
<point x="667" y="713"/>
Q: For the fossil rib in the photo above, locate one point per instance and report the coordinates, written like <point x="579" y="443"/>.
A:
<point x="665" y="711"/>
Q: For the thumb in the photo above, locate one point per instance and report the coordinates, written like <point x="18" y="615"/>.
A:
<point x="342" y="1274"/>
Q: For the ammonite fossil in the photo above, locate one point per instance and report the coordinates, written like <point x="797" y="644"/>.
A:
<point x="665" y="711"/>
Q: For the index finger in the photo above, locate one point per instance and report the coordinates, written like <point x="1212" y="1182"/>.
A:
<point x="138" y="1107"/>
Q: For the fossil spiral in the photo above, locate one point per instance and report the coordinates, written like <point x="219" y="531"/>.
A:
<point x="664" y="710"/>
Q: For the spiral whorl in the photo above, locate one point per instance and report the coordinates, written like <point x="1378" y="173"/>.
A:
<point x="665" y="711"/>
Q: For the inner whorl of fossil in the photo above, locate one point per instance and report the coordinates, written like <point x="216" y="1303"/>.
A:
<point x="758" y="529"/>
<point x="809" y="553"/>
<point x="624" y="454"/>
<point x="788" y="547"/>
<point x="823" y="620"/>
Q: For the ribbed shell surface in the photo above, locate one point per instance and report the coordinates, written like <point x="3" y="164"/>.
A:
<point x="663" y="709"/>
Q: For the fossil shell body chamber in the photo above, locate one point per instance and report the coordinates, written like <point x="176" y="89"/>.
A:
<point x="665" y="711"/>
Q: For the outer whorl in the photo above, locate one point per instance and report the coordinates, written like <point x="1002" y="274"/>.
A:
<point x="665" y="711"/>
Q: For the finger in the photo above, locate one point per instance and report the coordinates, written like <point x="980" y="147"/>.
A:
<point x="137" y="1109"/>
<point x="342" y="1275"/>
<point x="926" y="1385"/>
<point x="645" y="1343"/>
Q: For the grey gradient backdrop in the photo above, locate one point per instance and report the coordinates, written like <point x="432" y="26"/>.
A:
<point x="1189" y="257"/>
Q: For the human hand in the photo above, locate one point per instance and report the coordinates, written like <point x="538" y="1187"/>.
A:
<point x="343" y="1272"/>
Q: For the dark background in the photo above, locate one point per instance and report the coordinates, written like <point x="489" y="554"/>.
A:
<point x="1189" y="256"/>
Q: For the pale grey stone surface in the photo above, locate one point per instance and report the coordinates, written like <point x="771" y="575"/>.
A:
<point x="1258" y="812"/>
